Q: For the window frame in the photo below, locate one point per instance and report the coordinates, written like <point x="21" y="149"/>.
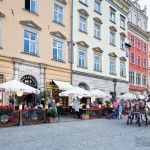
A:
<point x="110" y="66"/>
<point x="110" y="37"/>
<point x="138" y="60"/>
<point x="99" y="62"/>
<point x="138" y="79"/>
<point x="132" y="40"/>
<point x="36" y="7"/>
<point x="132" y="77"/>
<point x="81" y="1"/>
<point x="96" y="31"/>
<point x="84" y="17"/>
<point x="144" y="63"/>
<point x="122" y="75"/>
<point x="122" y="18"/>
<point x="122" y="43"/>
<point x="57" y="48"/>
<point x="83" y="58"/>
<point x="131" y="59"/>
<point x="99" y="2"/>
<point x="144" y="47"/>
<point x="139" y="44"/>
<point x="144" y="80"/>
<point x="112" y="11"/>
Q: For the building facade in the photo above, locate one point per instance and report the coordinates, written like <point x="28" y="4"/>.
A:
<point x="99" y="52"/>
<point x="138" y="53"/>
<point x="33" y="42"/>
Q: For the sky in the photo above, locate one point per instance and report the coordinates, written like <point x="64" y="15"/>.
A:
<point x="147" y="3"/>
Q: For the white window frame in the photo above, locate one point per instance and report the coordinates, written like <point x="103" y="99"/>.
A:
<point x="122" y="42"/>
<point x="144" y="80"/>
<point x="97" y="62"/>
<point x="81" y="29"/>
<point x="99" y="2"/>
<point x="144" y="65"/>
<point x="58" y="41"/>
<point x="131" y="77"/>
<point x="144" y="47"/>
<point x="83" y="64"/>
<point x="112" y="67"/>
<point x="138" y="79"/>
<point x="96" y="34"/>
<point x="36" y="6"/>
<point x="138" y="60"/>
<point x="112" y="11"/>
<point x="61" y="6"/>
<point x="122" y="19"/>
<point x="122" y="70"/>
<point x="28" y="29"/>
<point x="112" y="38"/>
<point x="131" y="40"/>
<point x="0" y="32"/>
<point x="131" y="59"/>
<point x="139" y="44"/>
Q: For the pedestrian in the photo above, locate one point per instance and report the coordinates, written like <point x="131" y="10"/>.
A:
<point x="43" y="102"/>
<point x="50" y="102"/>
<point x="11" y="100"/>
<point x="115" y="106"/>
<point x="120" y="111"/>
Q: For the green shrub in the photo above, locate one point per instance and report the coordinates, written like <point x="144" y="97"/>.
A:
<point x="52" y="112"/>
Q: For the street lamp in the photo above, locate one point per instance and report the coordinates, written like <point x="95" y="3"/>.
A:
<point x="115" y="83"/>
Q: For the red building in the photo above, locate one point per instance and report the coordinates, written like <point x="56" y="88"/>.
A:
<point x="138" y="52"/>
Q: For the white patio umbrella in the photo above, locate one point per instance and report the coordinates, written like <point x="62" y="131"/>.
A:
<point x="100" y="94"/>
<point x="76" y="92"/>
<point x="16" y="86"/>
<point x="128" y="96"/>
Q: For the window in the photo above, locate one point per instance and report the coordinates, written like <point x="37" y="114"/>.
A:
<point x="30" y="42"/>
<point x="97" y="6"/>
<point x="139" y="44"/>
<point x="31" y="5"/>
<point x="138" y="79"/>
<point x="112" y="15"/>
<point x="82" y="58"/>
<point x="122" y="69"/>
<point x="144" y="80"/>
<point x="58" y="14"/>
<point x="131" y="77"/>
<point x="132" y="40"/>
<point x="132" y="58"/>
<point x="82" y="24"/>
<point x="139" y="61"/>
<point x="145" y="48"/>
<point x="145" y="63"/>
<point x="112" y="38"/>
<point x="96" y="30"/>
<point x="97" y="62"/>
<point x="57" y="50"/>
<point x="83" y="1"/>
<point x="1" y="79"/>
<point x="112" y="67"/>
<point x="122" y="22"/>
<point x="122" y="42"/>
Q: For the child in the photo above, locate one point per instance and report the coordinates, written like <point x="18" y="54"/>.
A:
<point x="120" y="111"/>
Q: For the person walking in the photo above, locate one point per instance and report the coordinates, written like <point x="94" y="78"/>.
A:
<point x="120" y="111"/>
<point x="116" y="108"/>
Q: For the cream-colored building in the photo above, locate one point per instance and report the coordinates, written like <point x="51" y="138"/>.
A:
<point x="100" y="34"/>
<point x="33" y="41"/>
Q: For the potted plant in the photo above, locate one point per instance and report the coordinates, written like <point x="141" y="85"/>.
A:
<point x="52" y="114"/>
<point x="108" y="102"/>
<point x="86" y="115"/>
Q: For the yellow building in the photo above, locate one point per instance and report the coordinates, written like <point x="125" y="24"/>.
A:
<point x="33" y="42"/>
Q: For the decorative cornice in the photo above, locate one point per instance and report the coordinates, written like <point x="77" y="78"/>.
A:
<point x="123" y="58"/>
<point x="2" y="15"/>
<point x="98" y="76"/>
<point x="84" y="12"/>
<point x="98" y="49"/>
<point x="58" y="34"/>
<point x="62" y="1"/>
<point x="138" y="31"/>
<point x="82" y="43"/>
<point x="96" y="19"/>
<point x="31" y="24"/>
<point x="123" y="34"/>
<point x="113" y="28"/>
<point x="113" y="55"/>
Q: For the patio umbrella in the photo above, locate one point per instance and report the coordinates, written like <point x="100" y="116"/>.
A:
<point x="128" y="96"/>
<point x="16" y="86"/>
<point x="76" y="92"/>
<point x="100" y="94"/>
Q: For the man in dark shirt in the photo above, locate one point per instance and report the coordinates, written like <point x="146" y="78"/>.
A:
<point x="11" y="100"/>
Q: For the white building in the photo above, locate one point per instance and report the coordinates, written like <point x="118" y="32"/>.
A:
<point x="99" y="54"/>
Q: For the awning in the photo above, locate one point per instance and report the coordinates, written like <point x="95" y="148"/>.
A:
<point x="63" y="85"/>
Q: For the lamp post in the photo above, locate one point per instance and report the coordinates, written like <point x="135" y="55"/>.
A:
<point x="20" y="108"/>
<point x="115" y="83"/>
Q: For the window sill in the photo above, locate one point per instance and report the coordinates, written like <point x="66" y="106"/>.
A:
<point x="1" y="47"/>
<point x="83" y="3"/>
<point x="61" y="61"/>
<point x="112" y="21"/>
<point x="30" y="12"/>
<point x="98" y="70"/>
<point x="123" y="28"/>
<point x="113" y="74"/>
<point x="97" y="12"/>
<point x="82" y="67"/>
<point x="30" y="54"/>
<point x="122" y="49"/>
<point x="123" y="76"/>
<point x="58" y="23"/>
<point x="112" y="44"/>
<point x="97" y="38"/>
<point x="83" y="31"/>
<point x="138" y="49"/>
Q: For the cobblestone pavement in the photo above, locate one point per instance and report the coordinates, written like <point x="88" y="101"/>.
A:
<point x="96" y="134"/>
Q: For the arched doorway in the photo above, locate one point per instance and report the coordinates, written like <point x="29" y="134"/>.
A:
<point x="30" y="99"/>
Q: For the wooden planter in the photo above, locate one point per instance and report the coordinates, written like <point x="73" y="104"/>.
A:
<point x="85" y="117"/>
<point x="52" y="120"/>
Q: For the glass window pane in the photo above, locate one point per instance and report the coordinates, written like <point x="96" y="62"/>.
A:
<point x="26" y="46"/>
